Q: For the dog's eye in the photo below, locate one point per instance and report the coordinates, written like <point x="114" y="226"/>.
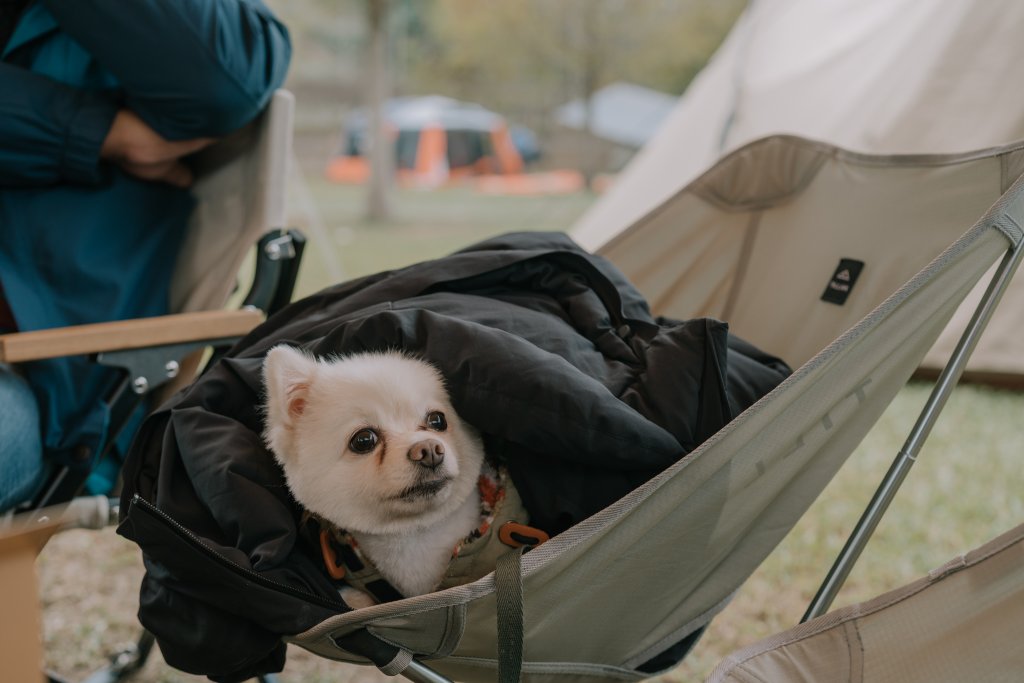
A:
<point x="436" y="421"/>
<point x="363" y="441"/>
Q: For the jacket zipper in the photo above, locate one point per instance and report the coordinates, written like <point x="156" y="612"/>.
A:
<point x="192" y="539"/>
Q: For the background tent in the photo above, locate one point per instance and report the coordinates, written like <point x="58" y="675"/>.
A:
<point x="878" y="76"/>
<point x="436" y="138"/>
<point x="604" y="131"/>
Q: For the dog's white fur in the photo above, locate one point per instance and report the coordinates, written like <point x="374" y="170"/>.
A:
<point x="313" y="410"/>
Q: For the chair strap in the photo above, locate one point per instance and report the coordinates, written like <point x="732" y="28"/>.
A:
<point x="508" y="579"/>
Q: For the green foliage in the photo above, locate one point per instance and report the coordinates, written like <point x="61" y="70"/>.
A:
<point x="529" y="56"/>
<point x="560" y="49"/>
<point x="521" y="57"/>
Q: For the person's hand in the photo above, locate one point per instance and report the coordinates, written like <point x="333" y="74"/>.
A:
<point x="142" y="152"/>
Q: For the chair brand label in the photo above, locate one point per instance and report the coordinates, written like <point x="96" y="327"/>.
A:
<point x="842" y="282"/>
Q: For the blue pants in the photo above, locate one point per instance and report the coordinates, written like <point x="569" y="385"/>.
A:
<point x="22" y="470"/>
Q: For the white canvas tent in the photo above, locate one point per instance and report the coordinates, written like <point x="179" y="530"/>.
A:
<point x="877" y="76"/>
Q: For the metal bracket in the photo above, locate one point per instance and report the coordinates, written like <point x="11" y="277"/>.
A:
<point x="280" y="248"/>
<point x="150" y="367"/>
<point x="277" y="262"/>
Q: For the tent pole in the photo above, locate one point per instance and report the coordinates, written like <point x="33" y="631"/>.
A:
<point x="908" y="455"/>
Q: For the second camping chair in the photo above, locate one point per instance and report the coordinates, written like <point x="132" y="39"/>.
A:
<point x="240" y="204"/>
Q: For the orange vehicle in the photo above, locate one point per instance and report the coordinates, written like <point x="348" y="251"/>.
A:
<point x="436" y="140"/>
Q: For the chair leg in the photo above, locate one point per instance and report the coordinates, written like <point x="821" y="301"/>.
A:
<point x="418" y="672"/>
<point x="126" y="662"/>
<point x="129" y="660"/>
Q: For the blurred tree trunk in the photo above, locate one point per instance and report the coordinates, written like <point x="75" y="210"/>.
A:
<point x="378" y="206"/>
<point x="592" y="66"/>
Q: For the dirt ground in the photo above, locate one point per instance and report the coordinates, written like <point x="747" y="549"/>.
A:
<point x="89" y="587"/>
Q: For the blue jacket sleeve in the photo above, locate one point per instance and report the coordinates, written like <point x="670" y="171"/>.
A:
<point x="189" y="68"/>
<point x="49" y="132"/>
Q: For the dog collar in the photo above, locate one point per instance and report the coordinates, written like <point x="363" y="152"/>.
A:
<point x="499" y="507"/>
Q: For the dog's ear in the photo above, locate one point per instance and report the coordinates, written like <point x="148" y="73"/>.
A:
<point x="287" y="374"/>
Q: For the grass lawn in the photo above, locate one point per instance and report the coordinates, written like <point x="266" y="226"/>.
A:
<point x="965" y="489"/>
<point x="424" y="225"/>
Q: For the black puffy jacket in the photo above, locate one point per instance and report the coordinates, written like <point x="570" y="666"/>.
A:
<point x="546" y="349"/>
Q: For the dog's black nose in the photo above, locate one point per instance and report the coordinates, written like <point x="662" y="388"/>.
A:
<point x="428" y="453"/>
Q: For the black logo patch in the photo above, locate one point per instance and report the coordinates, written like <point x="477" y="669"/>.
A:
<point x="842" y="282"/>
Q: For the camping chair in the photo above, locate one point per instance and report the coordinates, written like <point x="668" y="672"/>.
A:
<point x="240" y="191"/>
<point x="754" y="241"/>
<point x="896" y="243"/>
<point x="961" y="622"/>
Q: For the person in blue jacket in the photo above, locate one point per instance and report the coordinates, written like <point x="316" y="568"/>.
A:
<point x="100" y="103"/>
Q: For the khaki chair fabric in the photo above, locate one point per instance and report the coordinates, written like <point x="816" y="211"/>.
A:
<point x="759" y="237"/>
<point x="962" y="622"/>
<point x="240" y="195"/>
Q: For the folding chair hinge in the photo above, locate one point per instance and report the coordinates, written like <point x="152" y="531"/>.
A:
<point x="280" y="248"/>
<point x="150" y="367"/>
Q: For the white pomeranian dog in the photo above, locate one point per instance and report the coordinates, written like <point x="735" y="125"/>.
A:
<point x="371" y="444"/>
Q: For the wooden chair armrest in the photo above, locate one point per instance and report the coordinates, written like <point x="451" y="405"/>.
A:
<point x="127" y="334"/>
